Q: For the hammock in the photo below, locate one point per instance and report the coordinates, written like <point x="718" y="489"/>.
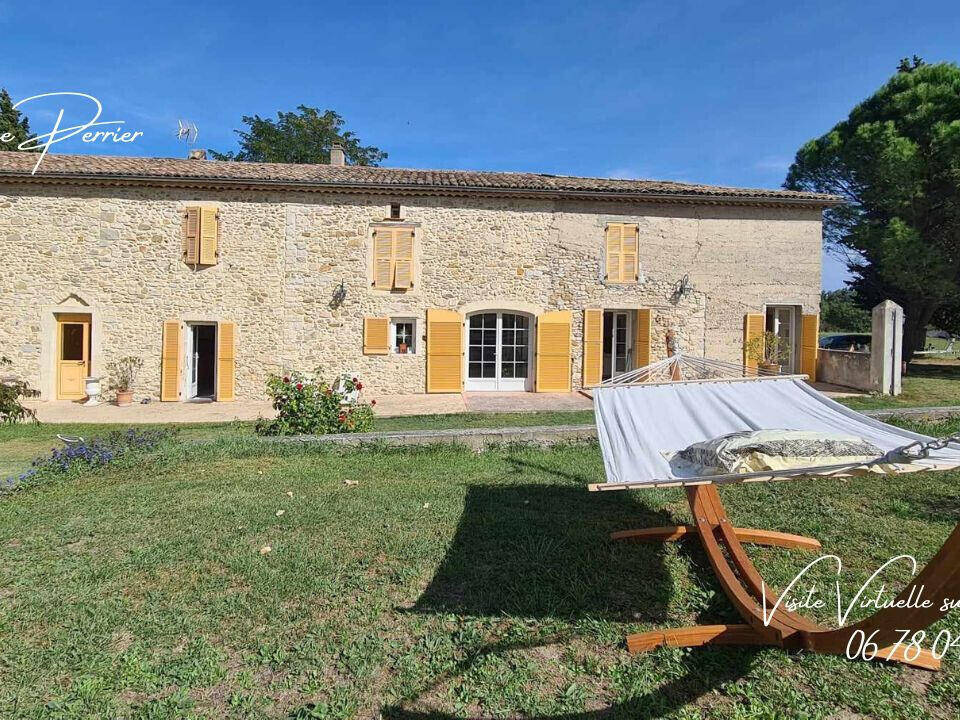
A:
<point x="647" y="415"/>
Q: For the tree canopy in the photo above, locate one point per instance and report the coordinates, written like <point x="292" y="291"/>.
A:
<point x="896" y="162"/>
<point x="305" y="136"/>
<point x="12" y="122"/>
<point x="841" y="311"/>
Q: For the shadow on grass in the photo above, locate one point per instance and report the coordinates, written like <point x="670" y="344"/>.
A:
<point x="543" y="551"/>
<point x="943" y="371"/>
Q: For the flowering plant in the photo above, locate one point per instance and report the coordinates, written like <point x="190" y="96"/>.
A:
<point x="88" y="453"/>
<point x="124" y="372"/>
<point x="12" y="390"/>
<point x="308" y="406"/>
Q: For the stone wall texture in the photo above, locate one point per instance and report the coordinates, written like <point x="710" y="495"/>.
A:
<point x="116" y="253"/>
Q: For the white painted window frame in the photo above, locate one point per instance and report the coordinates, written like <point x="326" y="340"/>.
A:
<point x="413" y="345"/>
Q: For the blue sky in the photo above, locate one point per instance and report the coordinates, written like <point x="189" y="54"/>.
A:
<point x="719" y="93"/>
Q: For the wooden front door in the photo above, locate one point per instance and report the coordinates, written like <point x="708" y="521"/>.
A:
<point x="73" y="355"/>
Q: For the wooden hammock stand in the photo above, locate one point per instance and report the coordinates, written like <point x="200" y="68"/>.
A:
<point x="744" y="586"/>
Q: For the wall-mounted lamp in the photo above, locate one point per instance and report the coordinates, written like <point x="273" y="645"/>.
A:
<point x="684" y="287"/>
<point x="339" y="295"/>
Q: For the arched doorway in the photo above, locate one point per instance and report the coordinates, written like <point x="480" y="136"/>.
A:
<point x="499" y="351"/>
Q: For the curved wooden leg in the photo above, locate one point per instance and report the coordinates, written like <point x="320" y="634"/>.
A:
<point x="694" y="636"/>
<point x="670" y="533"/>
<point x="743" y="585"/>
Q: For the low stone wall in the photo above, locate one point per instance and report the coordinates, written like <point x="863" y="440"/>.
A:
<point x="842" y="367"/>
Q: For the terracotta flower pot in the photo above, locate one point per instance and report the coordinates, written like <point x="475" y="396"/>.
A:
<point x="770" y="367"/>
<point x="124" y="397"/>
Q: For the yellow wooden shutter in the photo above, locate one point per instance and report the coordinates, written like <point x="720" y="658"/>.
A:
<point x="403" y="260"/>
<point x="226" y="361"/>
<point x="613" y="246"/>
<point x="553" y="351"/>
<point x="809" y="345"/>
<point x="643" y="339"/>
<point x="444" y="351"/>
<point x="592" y="347"/>
<point x="208" y="236"/>
<point x="170" y="352"/>
<point x="383" y="258"/>
<point x="376" y="336"/>
<point x="630" y="235"/>
<point x="753" y="326"/>
<point x="191" y="235"/>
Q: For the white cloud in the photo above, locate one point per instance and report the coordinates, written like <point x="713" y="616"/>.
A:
<point x="773" y="164"/>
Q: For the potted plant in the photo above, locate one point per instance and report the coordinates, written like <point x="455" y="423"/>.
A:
<point x="402" y="348"/>
<point x="769" y="351"/>
<point x="122" y="374"/>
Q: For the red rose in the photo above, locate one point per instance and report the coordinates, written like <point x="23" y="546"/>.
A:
<point x="299" y="386"/>
<point x="355" y="381"/>
<point x="286" y="379"/>
<point x="373" y="402"/>
<point x="359" y="386"/>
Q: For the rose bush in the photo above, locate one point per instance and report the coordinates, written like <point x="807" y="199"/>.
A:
<point x="308" y="406"/>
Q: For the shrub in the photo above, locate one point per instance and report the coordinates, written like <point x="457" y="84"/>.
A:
<point x="12" y="391"/>
<point x="307" y="406"/>
<point x="87" y="454"/>
<point x="124" y="372"/>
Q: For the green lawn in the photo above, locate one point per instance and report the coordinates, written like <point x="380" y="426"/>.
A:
<point x="927" y="383"/>
<point x="445" y="584"/>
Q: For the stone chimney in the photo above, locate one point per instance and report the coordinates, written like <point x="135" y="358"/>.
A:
<point x="336" y="154"/>
<point x="197" y="154"/>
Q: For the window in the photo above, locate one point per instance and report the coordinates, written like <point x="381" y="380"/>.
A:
<point x="620" y="251"/>
<point x="393" y="258"/>
<point x="395" y="211"/>
<point x="403" y="336"/>
<point x="201" y="236"/>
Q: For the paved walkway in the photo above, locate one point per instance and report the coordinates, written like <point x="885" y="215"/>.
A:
<point x="65" y="411"/>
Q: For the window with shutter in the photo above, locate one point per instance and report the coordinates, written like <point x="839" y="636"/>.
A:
<point x="191" y="235"/>
<point x="753" y="326"/>
<point x="444" y="351"/>
<point x="643" y="338"/>
<point x="592" y="347"/>
<point x="553" y="351"/>
<point x="170" y="352"/>
<point x="621" y="242"/>
<point x="209" y="234"/>
<point x="226" y="361"/>
<point x="376" y="339"/>
<point x="393" y="258"/>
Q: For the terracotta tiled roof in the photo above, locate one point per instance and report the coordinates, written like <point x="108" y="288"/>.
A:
<point x="114" y="170"/>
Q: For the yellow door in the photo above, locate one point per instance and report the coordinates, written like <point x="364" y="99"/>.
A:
<point x="73" y="355"/>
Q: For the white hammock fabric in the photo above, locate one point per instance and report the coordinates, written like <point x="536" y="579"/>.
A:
<point x="638" y="425"/>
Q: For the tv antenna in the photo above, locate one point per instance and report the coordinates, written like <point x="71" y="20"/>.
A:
<point x="187" y="131"/>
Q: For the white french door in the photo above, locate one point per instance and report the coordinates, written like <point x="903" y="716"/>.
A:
<point x="192" y="357"/>
<point x="498" y="351"/>
<point x="782" y="321"/>
<point x="622" y="343"/>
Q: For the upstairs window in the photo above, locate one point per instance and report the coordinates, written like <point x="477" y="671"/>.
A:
<point x="620" y="252"/>
<point x="201" y="236"/>
<point x="393" y="258"/>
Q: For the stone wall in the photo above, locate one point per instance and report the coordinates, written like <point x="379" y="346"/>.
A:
<point x="116" y="253"/>
<point x="846" y="368"/>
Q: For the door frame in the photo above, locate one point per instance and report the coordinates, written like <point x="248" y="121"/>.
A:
<point x="631" y="320"/>
<point x="186" y="383"/>
<point x="495" y="382"/>
<point x="796" y="328"/>
<point x="72" y="318"/>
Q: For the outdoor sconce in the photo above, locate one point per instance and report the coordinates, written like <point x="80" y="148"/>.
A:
<point x="683" y="288"/>
<point x="339" y="295"/>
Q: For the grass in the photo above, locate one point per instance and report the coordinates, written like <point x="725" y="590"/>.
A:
<point x="928" y="383"/>
<point x="445" y="584"/>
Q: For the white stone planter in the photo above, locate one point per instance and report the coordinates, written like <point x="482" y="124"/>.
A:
<point x="91" y="386"/>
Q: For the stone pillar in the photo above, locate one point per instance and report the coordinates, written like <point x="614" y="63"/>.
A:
<point x="886" y="348"/>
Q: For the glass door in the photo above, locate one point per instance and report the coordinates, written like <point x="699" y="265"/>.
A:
<point x="782" y="321"/>
<point x="498" y="352"/>
<point x="622" y="345"/>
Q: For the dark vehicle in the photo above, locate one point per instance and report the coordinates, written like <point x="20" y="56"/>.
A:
<point x="857" y="342"/>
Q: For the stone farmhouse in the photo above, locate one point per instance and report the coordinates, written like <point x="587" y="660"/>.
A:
<point x="220" y="273"/>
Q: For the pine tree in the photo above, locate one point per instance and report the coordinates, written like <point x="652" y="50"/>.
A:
<point x="12" y="122"/>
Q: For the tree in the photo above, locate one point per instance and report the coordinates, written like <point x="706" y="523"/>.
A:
<point x="840" y="311"/>
<point x="896" y="162"/>
<point x="12" y="122"/>
<point x="299" y="137"/>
